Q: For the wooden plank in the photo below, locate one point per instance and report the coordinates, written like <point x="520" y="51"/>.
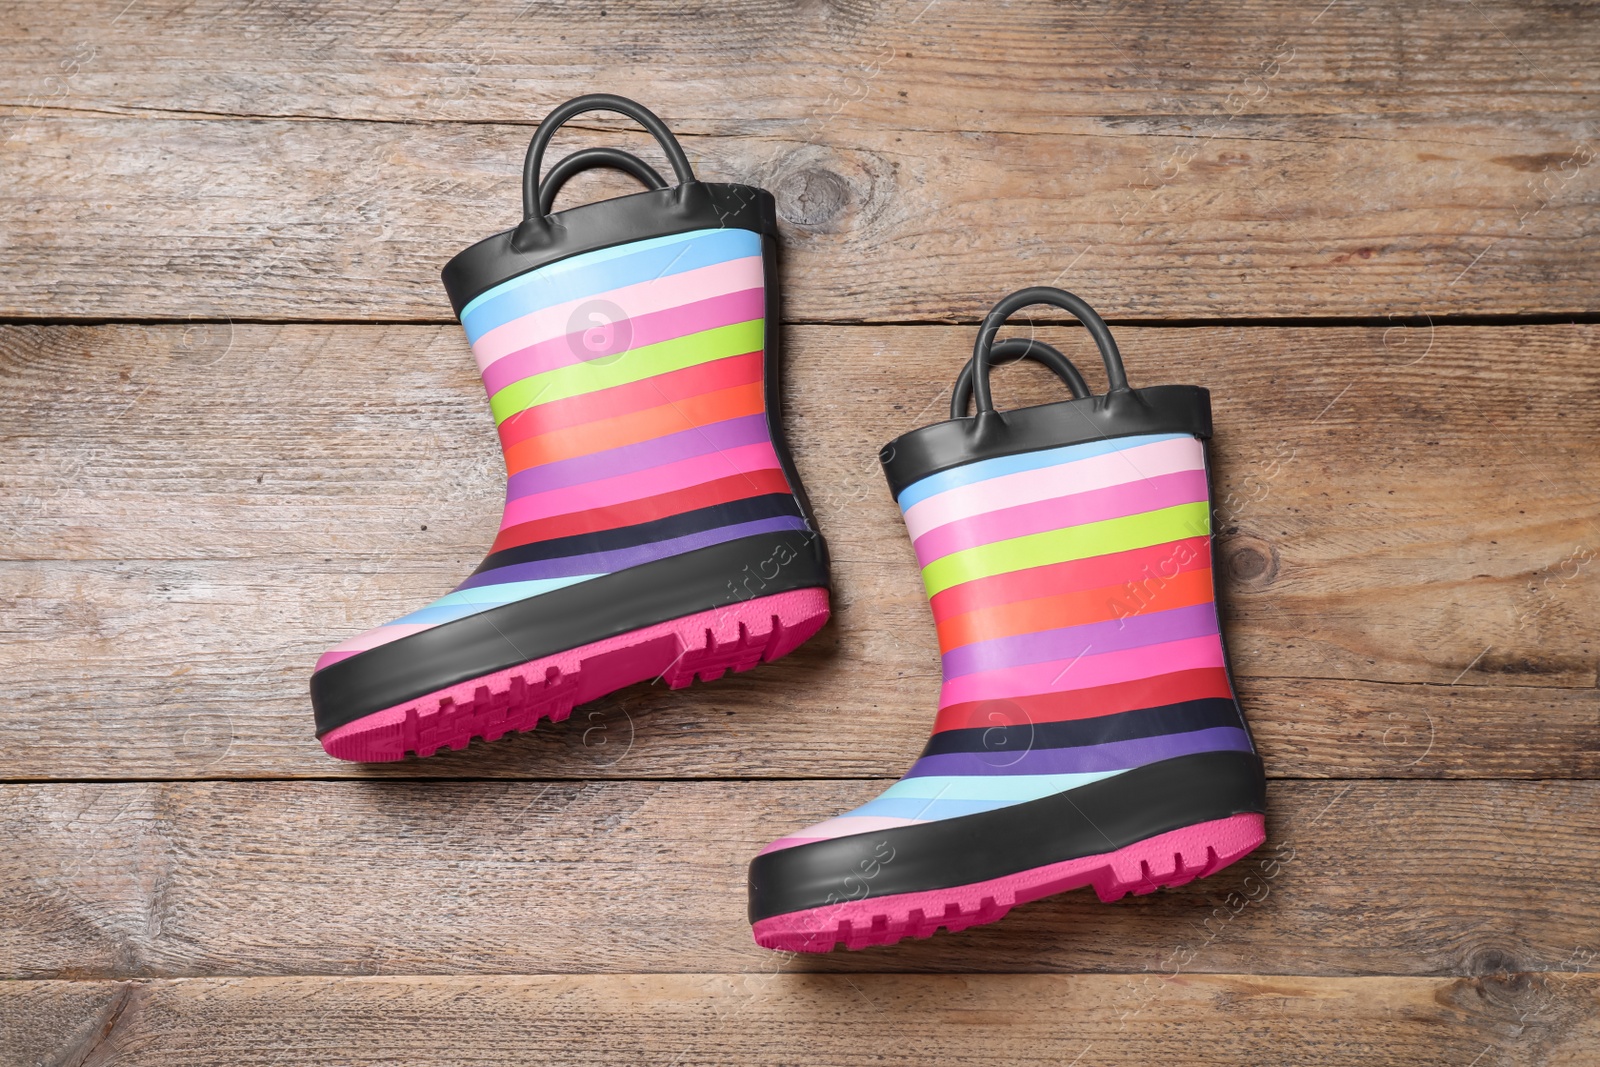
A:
<point x="199" y="669"/>
<point x="771" y="1018"/>
<point x="341" y="878"/>
<point x="201" y="511"/>
<point x="194" y="511"/>
<point x="908" y="64"/>
<point x="1147" y="218"/>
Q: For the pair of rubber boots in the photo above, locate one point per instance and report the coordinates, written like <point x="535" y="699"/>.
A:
<point x="655" y="528"/>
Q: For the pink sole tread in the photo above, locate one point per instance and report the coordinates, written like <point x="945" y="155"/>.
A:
<point x="704" y="645"/>
<point x="1168" y="859"/>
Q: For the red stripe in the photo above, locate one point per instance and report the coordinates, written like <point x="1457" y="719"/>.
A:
<point x="646" y="424"/>
<point x="1136" y="565"/>
<point x="1163" y="689"/>
<point x="1189" y="587"/>
<point x="614" y="516"/>
<point x="634" y="396"/>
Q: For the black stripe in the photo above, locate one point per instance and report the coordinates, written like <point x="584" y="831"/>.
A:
<point x="621" y="220"/>
<point x="1023" y="737"/>
<point x="493" y="640"/>
<point x="767" y="506"/>
<point x="913" y="456"/>
<point x="1096" y="818"/>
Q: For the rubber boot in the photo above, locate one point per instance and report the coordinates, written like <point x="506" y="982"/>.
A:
<point x="654" y="525"/>
<point x="1088" y="732"/>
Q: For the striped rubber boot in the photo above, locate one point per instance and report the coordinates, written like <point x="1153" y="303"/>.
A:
<point x="654" y="525"/>
<point x="1088" y="732"/>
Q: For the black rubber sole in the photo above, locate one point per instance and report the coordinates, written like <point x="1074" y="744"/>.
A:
<point x="568" y="618"/>
<point x="1090" y="820"/>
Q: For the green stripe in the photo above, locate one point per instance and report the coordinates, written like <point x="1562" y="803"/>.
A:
<point x="1075" y="542"/>
<point x="630" y="366"/>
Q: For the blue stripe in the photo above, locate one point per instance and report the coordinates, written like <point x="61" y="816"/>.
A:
<point x="464" y="602"/>
<point x="599" y="255"/>
<point x="1011" y="788"/>
<point x="984" y="469"/>
<point x="932" y="798"/>
<point x="601" y="271"/>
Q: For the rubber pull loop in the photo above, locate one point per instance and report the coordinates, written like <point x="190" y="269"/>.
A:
<point x="982" y="350"/>
<point x="1009" y="351"/>
<point x="591" y="159"/>
<point x="583" y="105"/>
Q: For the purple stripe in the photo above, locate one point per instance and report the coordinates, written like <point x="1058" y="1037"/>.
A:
<point x="1116" y="756"/>
<point x="627" y="459"/>
<point x="1070" y="642"/>
<point x="621" y="558"/>
<point x="648" y="329"/>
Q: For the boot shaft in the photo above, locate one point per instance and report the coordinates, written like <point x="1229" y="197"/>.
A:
<point x="629" y="385"/>
<point x="1087" y="731"/>
<point x="1066" y="554"/>
<point x="654" y="525"/>
<point x="1068" y="569"/>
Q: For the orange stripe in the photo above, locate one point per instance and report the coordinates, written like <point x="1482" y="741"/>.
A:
<point x="1140" y="565"/>
<point x="1121" y="601"/>
<point x="636" y="426"/>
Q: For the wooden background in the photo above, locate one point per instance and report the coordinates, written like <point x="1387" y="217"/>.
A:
<point x="239" y="424"/>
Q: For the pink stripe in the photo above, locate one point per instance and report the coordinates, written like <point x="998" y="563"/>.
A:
<point x="641" y="298"/>
<point x="1086" y="672"/>
<point x="1076" y="476"/>
<point x="382" y="635"/>
<point x="1131" y="498"/>
<point x="635" y="331"/>
<point x="636" y="485"/>
<point x="843" y="826"/>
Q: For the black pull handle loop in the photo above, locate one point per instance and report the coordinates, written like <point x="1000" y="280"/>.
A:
<point x="591" y="159"/>
<point x="1009" y="351"/>
<point x="531" y="166"/>
<point x="1042" y="294"/>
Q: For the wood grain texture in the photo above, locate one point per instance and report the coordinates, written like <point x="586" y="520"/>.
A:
<point x="191" y="512"/>
<point x="763" y="1017"/>
<point x="198" y="669"/>
<point x="1146" y="217"/>
<point x="196" y="513"/>
<point x="193" y="879"/>
<point x="756" y="65"/>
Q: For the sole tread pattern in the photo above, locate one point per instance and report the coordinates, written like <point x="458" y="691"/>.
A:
<point x="1171" y="859"/>
<point x="703" y="646"/>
